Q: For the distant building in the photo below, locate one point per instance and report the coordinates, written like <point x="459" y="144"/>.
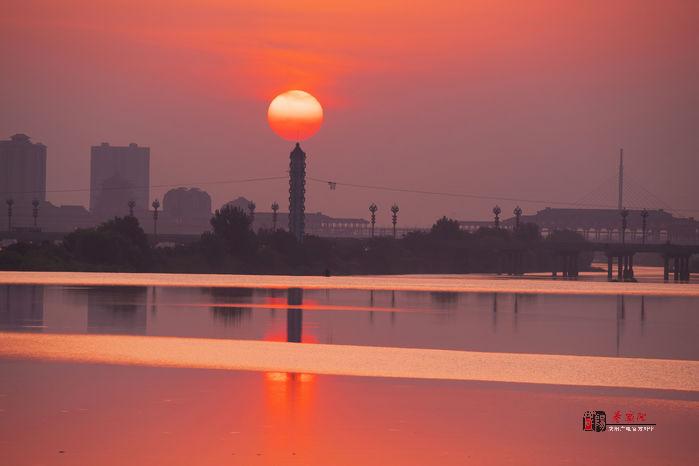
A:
<point x="605" y="224"/>
<point x="119" y="175"/>
<point x="186" y="210"/>
<point x="317" y="224"/>
<point x="474" y="225"/>
<point x="241" y="203"/>
<point x="182" y="204"/>
<point x="22" y="170"/>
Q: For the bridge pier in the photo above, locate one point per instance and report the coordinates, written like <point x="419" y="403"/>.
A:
<point x="680" y="266"/>
<point x="624" y="265"/>
<point x="681" y="271"/>
<point x="631" y="266"/>
<point x="628" y="267"/>
<point x="620" y="268"/>
<point x="511" y="262"/>
<point x="684" y="272"/>
<point x="569" y="264"/>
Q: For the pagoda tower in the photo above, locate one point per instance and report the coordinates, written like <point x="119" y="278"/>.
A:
<point x="297" y="192"/>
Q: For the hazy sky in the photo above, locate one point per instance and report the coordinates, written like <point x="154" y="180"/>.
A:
<point x="522" y="99"/>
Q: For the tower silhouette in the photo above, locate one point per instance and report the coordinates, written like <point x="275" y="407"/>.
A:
<point x="297" y="192"/>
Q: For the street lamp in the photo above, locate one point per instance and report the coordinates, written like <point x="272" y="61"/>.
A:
<point x="394" y="211"/>
<point x="132" y="204"/>
<point x="496" y="211"/>
<point x="251" y="208"/>
<point x="35" y="210"/>
<point x="373" y="209"/>
<point x="9" y="203"/>
<point x="644" y="216"/>
<point x="624" y="213"/>
<point x="275" y="208"/>
<point x="518" y="214"/>
<point x="156" y="206"/>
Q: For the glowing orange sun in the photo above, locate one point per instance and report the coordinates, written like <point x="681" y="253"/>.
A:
<point x="295" y="115"/>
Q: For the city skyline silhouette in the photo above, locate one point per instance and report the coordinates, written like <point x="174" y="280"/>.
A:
<point x="471" y="101"/>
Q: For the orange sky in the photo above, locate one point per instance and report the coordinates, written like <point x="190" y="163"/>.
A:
<point x="518" y="99"/>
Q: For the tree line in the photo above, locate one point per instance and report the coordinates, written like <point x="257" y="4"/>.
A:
<point x="121" y="245"/>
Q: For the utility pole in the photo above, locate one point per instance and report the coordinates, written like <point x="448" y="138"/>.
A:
<point x="621" y="180"/>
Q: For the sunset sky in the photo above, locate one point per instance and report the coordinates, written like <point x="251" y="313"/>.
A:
<point x="521" y="99"/>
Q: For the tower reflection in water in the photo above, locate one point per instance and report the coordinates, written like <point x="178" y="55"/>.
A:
<point x="289" y="395"/>
<point x="294" y="316"/>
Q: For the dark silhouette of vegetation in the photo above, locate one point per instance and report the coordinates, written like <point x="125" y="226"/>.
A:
<point x="233" y="247"/>
<point x="119" y="243"/>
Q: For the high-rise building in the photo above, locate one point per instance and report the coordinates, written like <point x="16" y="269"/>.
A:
<point x="119" y="175"/>
<point x="22" y="169"/>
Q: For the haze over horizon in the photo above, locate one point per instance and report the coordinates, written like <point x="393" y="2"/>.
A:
<point x="527" y="101"/>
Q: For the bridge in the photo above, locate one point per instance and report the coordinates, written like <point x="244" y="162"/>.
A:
<point x="676" y="258"/>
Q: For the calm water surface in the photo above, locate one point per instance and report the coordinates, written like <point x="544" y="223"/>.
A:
<point x="87" y="413"/>
<point x="629" y="326"/>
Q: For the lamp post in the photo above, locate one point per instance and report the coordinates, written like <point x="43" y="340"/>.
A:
<point x="496" y="211"/>
<point x="251" y="209"/>
<point x="131" y="204"/>
<point x="394" y="212"/>
<point x="624" y="213"/>
<point x="373" y="209"/>
<point x="35" y="210"/>
<point x="9" y="203"/>
<point x="644" y="216"/>
<point x="156" y="206"/>
<point x="275" y="208"/>
<point x="518" y="214"/>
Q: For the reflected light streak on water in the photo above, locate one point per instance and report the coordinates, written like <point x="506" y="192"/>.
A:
<point x="355" y="360"/>
<point x="450" y="283"/>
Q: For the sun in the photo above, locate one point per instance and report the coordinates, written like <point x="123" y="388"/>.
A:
<point x="295" y="115"/>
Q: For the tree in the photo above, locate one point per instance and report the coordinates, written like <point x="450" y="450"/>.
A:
<point x="528" y="232"/>
<point x="446" y="229"/>
<point x="118" y="244"/>
<point x="232" y="226"/>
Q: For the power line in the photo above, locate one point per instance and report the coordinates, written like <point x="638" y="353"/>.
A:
<point x="596" y="191"/>
<point x="139" y="188"/>
<point x="474" y="196"/>
<point x="332" y="184"/>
